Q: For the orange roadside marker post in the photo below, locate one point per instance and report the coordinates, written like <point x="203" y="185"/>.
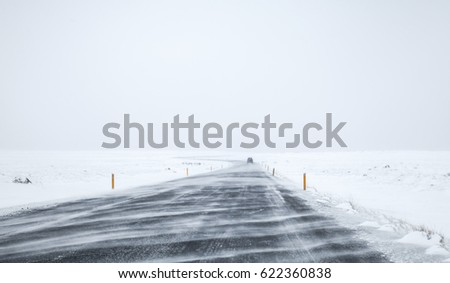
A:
<point x="304" y="181"/>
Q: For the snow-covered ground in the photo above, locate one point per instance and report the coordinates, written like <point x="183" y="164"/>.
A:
<point x="401" y="196"/>
<point x="406" y="193"/>
<point x="57" y="176"/>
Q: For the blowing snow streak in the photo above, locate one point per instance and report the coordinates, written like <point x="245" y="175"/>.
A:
<point x="239" y="214"/>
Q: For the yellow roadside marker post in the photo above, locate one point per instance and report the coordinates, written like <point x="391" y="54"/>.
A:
<point x="304" y="181"/>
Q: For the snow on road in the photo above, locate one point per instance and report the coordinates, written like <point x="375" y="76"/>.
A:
<point x="239" y="214"/>
<point x="401" y="194"/>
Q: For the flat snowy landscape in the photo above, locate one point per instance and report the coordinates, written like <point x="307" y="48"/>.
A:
<point x="397" y="201"/>
<point x="67" y="175"/>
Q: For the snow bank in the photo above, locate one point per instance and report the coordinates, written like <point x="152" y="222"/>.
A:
<point x="432" y="242"/>
<point x="420" y="239"/>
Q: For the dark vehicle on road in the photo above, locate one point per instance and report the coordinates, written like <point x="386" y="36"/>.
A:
<point x="249" y="160"/>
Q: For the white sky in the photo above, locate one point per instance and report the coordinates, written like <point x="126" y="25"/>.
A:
<point x="69" y="67"/>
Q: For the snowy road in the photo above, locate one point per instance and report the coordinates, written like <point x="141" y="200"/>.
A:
<point x="240" y="214"/>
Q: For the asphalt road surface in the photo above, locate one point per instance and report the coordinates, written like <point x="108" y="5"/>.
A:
<point x="240" y="214"/>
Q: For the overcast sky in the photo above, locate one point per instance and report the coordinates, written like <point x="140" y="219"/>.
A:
<point x="69" y="67"/>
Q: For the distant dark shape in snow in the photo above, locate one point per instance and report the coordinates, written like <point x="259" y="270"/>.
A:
<point x="250" y="160"/>
<point x="20" y="180"/>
